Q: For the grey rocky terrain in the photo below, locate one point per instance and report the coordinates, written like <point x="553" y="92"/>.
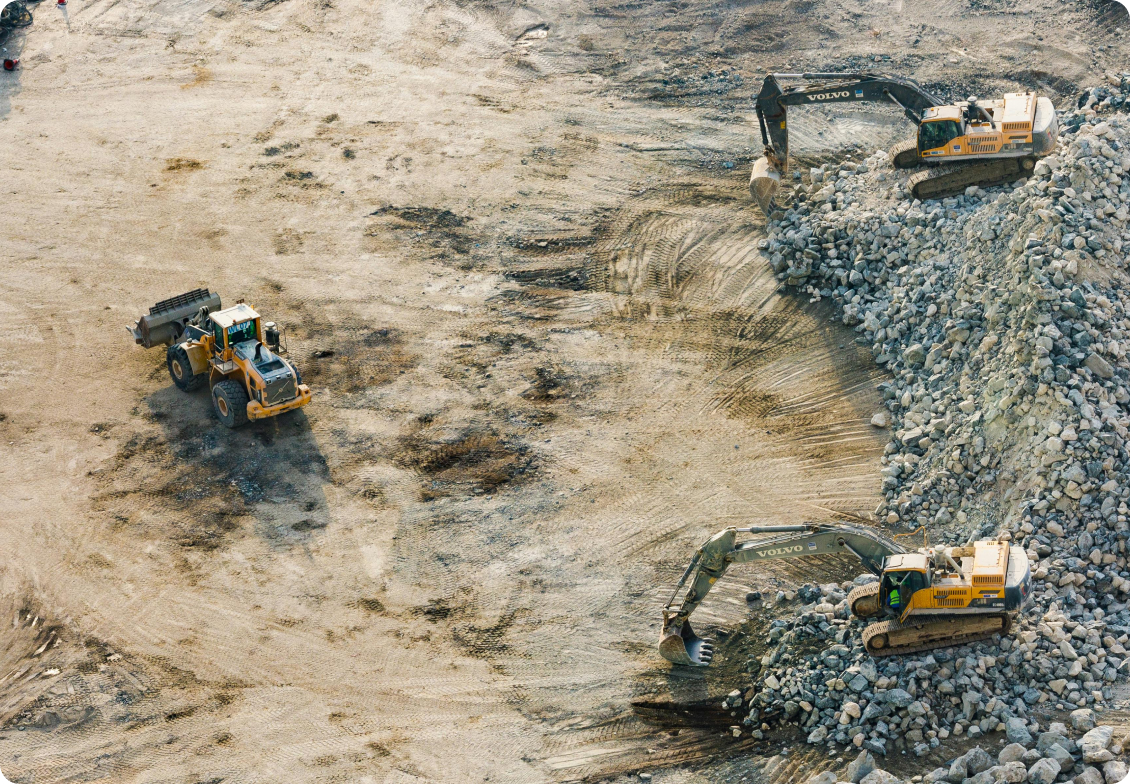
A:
<point x="1003" y="317"/>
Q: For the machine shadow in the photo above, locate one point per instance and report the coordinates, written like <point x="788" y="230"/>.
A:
<point x="203" y="484"/>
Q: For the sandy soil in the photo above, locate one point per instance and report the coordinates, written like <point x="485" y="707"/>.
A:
<point x="514" y="252"/>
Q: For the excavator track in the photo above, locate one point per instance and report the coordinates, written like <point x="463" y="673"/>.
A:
<point x="864" y="600"/>
<point x="904" y="155"/>
<point x="891" y="638"/>
<point x="950" y="180"/>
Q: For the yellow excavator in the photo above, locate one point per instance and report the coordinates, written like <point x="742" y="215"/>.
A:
<point x="231" y="349"/>
<point x="933" y="597"/>
<point x="966" y="143"/>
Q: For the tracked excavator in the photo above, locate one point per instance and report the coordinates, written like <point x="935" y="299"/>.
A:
<point x="966" y="143"/>
<point x="928" y="598"/>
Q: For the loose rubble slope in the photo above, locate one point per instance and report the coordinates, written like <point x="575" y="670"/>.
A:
<point x="1004" y="320"/>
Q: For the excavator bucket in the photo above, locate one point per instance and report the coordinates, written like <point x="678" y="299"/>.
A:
<point x="683" y="646"/>
<point x="764" y="183"/>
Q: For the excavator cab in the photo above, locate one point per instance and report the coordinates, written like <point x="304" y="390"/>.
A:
<point x="937" y="133"/>
<point x="903" y="575"/>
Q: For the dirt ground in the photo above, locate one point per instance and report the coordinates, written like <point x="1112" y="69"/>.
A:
<point x="516" y="259"/>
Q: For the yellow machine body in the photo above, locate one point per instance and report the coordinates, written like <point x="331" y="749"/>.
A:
<point x="1016" y="125"/>
<point x="970" y="579"/>
<point x="217" y="353"/>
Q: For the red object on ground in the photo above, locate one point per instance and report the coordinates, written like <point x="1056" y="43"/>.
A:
<point x="10" y="65"/>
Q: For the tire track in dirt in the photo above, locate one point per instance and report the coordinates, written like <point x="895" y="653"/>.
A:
<point x="684" y="292"/>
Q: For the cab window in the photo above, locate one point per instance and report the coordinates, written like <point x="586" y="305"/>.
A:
<point x="237" y="333"/>
<point x="936" y="134"/>
<point x="897" y="588"/>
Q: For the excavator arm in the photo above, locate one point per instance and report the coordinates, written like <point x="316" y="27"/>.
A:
<point x="773" y="101"/>
<point x="679" y="644"/>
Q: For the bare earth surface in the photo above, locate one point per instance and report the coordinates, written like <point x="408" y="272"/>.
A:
<point x="514" y="251"/>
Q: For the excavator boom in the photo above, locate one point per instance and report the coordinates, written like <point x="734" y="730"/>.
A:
<point x="773" y="101"/>
<point x="678" y="643"/>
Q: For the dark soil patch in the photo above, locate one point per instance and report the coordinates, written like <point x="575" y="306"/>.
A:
<point x="424" y="217"/>
<point x="475" y="459"/>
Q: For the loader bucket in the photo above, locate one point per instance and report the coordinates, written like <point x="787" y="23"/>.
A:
<point x="764" y="183"/>
<point x="683" y="646"/>
<point x="165" y="321"/>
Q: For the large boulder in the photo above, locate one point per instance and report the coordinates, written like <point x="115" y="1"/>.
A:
<point x="958" y="771"/>
<point x="1051" y="738"/>
<point x="1017" y="731"/>
<point x="1094" y="744"/>
<point x="1043" y="772"/>
<point x="977" y="760"/>
<point x="1060" y="755"/>
<point x="1012" y="773"/>
<point x="1083" y="720"/>
<point x="1114" y="771"/>
<point x="880" y="777"/>
<point x="860" y="767"/>
<point x="1011" y="753"/>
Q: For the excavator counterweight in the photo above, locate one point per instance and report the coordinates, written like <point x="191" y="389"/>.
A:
<point x="932" y="597"/>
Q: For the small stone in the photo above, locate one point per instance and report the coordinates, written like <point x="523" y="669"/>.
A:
<point x="818" y="735"/>
<point x="900" y="698"/>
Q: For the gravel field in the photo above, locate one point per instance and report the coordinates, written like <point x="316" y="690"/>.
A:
<point x="515" y="255"/>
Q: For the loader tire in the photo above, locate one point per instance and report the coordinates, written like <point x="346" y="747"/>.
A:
<point x="180" y="369"/>
<point x="229" y="398"/>
<point x="904" y="155"/>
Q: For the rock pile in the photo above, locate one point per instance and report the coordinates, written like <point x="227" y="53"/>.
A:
<point x="1051" y="756"/>
<point x="1003" y="317"/>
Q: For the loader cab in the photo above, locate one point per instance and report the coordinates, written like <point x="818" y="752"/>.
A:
<point x="903" y="575"/>
<point x="232" y="326"/>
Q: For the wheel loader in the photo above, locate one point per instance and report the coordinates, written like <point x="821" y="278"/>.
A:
<point x="966" y="143"/>
<point x="933" y="597"/>
<point x="230" y="349"/>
